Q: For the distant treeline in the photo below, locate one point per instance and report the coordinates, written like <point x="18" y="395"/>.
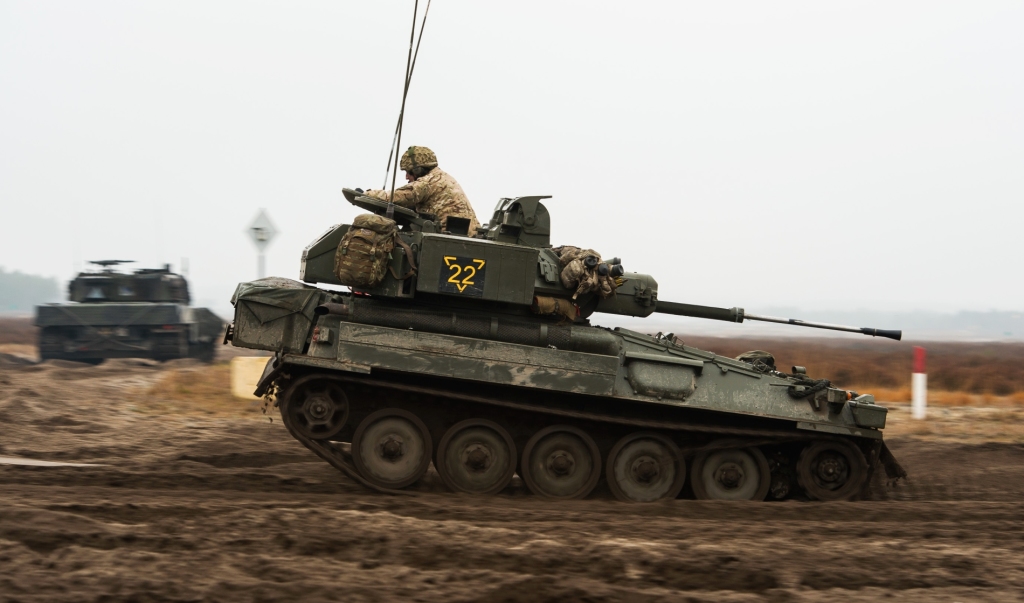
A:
<point x="21" y="292"/>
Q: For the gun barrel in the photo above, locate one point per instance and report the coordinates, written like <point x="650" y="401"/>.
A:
<point x="695" y="311"/>
<point x="897" y="335"/>
<point x="739" y="315"/>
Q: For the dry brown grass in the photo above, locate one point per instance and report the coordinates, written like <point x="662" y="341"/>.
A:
<point x="965" y="423"/>
<point x="25" y="350"/>
<point x="204" y="389"/>
<point x="18" y="330"/>
<point x="942" y="397"/>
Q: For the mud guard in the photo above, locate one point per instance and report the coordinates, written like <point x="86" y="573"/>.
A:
<point x="893" y="470"/>
<point x="270" y="374"/>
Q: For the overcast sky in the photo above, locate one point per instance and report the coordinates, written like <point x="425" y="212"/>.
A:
<point x="817" y="155"/>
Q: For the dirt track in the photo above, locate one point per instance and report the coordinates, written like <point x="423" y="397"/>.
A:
<point x="207" y="500"/>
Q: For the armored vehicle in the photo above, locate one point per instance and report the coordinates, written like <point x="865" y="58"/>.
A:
<point x="475" y="352"/>
<point x="111" y="314"/>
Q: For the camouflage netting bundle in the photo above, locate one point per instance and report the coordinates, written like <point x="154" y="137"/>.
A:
<point x="759" y="358"/>
<point x="365" y="250"/>
<point x="576" y="274"/>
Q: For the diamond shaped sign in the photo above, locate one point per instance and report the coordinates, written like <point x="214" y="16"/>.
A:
<point x="262" y="230"/>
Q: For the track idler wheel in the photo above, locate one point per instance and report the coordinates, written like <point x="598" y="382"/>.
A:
<point x="316" y="408"/>
<point x="476" y="456"/>
<point x="725" y="473"/>
<point x="561" y="461"/>
<point x="392" y="448"/>
<point x="832" y="470"/>
<point x="645" y="467"/>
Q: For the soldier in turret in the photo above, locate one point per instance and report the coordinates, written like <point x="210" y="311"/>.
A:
<point x="430" y="190"/>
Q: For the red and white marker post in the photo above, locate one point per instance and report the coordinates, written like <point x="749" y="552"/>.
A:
<point x="919" y="386"/>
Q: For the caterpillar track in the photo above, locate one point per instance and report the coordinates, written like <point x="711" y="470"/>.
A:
<point x="324" y="410"/>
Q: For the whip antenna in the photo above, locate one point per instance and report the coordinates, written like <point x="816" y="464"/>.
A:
<point x="409" y="65"/>
<point x="398" y="126"/>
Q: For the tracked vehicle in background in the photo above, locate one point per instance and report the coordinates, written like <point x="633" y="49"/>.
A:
<point x="473" y="352"/>
<point x="111" y="314"/>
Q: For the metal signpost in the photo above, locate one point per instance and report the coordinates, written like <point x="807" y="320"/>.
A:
<point x="261" y="231"/>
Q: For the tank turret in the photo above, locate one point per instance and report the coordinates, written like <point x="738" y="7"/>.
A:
<point x="144" y="285"/>
<point x="507" y="266"/>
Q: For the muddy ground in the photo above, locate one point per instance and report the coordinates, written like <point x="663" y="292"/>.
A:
<point x="203" y="498"/>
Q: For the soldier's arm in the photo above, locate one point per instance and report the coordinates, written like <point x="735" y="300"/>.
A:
<point x="406" y="196"/>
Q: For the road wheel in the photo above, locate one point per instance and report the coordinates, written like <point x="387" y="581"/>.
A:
<point x="730" y="474"/>
<point x="644" y="467"/>
<point x="391" y="448"/>
<point x="561" y="461"/>
<point x="316" y="408"/>
<point x="476" y="456"/>
<point x="832" y="470"/>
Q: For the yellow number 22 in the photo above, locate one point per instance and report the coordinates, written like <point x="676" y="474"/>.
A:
<point x="457" y="271"/>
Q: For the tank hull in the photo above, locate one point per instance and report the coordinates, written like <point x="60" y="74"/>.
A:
<point x="615" y="393"/>
<point x="94" y="332"/>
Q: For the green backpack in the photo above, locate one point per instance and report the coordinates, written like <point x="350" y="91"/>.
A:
<point x="365" y="251"/>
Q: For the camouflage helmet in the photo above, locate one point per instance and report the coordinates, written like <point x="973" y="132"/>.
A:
<point x="418" y="157"/>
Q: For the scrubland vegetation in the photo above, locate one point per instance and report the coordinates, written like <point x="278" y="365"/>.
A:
<point x="18" y="331"/>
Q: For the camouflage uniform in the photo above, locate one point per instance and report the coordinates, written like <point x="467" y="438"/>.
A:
<point x="434" y="192"/>
<point x="576" y="275"/>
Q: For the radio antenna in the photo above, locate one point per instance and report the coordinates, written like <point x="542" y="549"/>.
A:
<point x="398" y="126"/>
<point x="410" y="66"/>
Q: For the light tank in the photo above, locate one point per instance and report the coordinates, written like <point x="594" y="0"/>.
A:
<point x="474" y="354"/>
<point x="112" y="314"/>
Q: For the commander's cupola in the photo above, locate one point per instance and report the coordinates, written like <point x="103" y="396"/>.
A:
<point x="522" y="220"/>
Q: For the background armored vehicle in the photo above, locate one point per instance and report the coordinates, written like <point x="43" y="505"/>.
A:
<point x="476" y="353"/>
<point x="144" y="314"/>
